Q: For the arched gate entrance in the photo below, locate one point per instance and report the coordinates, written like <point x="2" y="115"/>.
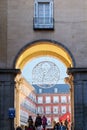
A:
<point x="77" y="80"/>
<point x="47" y="48"/>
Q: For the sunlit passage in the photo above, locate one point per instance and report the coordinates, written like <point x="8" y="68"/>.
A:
<point x="41" y="87"/>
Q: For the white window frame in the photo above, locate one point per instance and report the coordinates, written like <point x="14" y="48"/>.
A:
<point x="40" y="110"/>
<point x="40" y="100"/>
<point x="55" y="99"/>
<point x="40" y="90"/>
<point x="48" y="109"/>
<point x="55" y="109"/>
<point x="55" y="90"/>
<point x="45" y="25"/>
<point x="63" y="109"/>
<point x="63" y="99"/>
<point x="48" y="99"/>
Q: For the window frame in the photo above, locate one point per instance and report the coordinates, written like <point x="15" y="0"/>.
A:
<point x="48" y="109"/>
<point x="40" y="99"/>
<point x="40" y="109"/>
<point x="55" y="109"/>
<point x="36" y="24"/>
<point x="63" y="109"/>
<point x="48" y="99"/>
<point x="55" y="99"/>
<point x="63" y="99"/>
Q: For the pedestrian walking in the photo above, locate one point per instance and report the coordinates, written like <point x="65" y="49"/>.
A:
<point x="30" y="124"/>
<point x="18" y="128"/>
<point x="44" y="122"/>
<point x="62" y="126"/>
<point x="56" y="126"/>
<point x="66" y="124"/>
<point x="38" y="122"/>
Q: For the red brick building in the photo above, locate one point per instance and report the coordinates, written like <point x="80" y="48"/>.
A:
<point x="54" y="102"/>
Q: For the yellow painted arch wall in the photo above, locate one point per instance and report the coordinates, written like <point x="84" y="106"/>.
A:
<point x="44" y="49"/>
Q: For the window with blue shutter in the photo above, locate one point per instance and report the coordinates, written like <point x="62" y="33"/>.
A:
<point x="43" y="14"/>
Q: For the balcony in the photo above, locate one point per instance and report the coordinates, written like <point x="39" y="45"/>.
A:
<point x="43" y="23"/>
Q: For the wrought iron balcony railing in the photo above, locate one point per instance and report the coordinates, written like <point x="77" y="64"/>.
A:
<point x="43" y="23"/>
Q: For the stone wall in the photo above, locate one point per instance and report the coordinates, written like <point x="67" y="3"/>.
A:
<point x="70" y="27"/>
<point x="3" y="33"/>
<point x="7" y="87"/>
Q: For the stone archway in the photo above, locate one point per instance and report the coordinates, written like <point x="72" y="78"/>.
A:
<point x="77" y="80"/>
<point x="44" y="48"/>
<point x="47" y="48"/>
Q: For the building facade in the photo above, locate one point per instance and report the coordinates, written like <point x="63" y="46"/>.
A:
<point x="34" y="28"/>
<point x="52" y="102"/>
<point x="25" y="102"/>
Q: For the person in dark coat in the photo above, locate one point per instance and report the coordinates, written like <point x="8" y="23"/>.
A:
<point x="30" y="120"/>
<point x="30" y="124"/>
<point x="62" y="126"/>
<point x="18" y="128"/>
<point x="56" y="126"/>
<point x="38" y="122"/>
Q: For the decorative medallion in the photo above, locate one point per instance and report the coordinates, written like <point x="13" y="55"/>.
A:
<point x="45" y="74"/>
